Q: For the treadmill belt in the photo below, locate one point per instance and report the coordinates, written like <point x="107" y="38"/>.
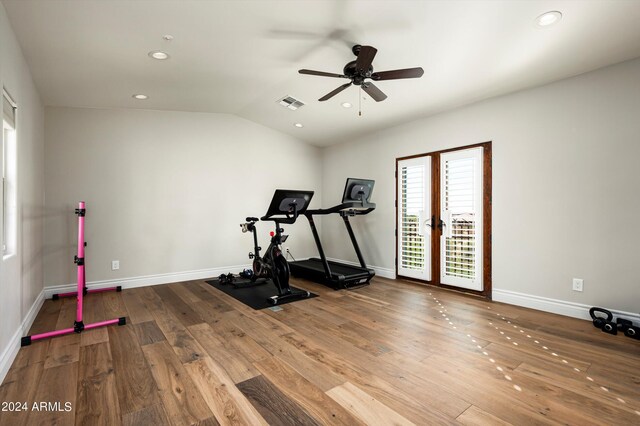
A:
<point x="336" y="268"/>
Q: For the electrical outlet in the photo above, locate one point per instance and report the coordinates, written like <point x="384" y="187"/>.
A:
<point x="286" y="250"/>
<point x="115" y="265"/>
<point x="577" y="284"/>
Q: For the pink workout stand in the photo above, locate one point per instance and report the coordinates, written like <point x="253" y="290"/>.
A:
<point x="78" y="324"/>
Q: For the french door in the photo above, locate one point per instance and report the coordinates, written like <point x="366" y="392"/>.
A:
<point x="414" y="218"/>
<point x="461" y="215"/>
<point x="444" y="218"/>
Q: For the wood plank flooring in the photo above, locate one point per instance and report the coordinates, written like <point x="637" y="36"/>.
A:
<point x="391" y="353"/>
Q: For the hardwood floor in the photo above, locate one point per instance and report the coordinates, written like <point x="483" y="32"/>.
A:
<point x="391" y="353"/>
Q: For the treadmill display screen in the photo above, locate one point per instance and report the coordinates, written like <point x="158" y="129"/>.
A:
<point x="358" y="190"/>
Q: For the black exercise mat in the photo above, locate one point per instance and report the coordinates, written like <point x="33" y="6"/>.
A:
<point x="255" y="297"/>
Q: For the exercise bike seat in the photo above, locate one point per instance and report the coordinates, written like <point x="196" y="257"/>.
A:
<point x="251" y="219"/>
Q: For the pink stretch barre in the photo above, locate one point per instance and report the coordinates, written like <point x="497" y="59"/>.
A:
<point x="101" y="323"/>
<point x="72" y="330"/>
<point x="79" y="326"/>
<point x="101" y="290"/>
<point x="93" y="290"/>
<point x="81" y="278"/>
<point x="81" y="254"/>
<point x="52" y="333"/>
<point x="72" y="293"/>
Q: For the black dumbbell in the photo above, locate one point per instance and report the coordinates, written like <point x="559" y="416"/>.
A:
<point x="623" y="324"/>
<point x="610" y="327"/>
<point x="598" y="321"/>
<point x="633" y="332"/>
<point x="246" y="273"/>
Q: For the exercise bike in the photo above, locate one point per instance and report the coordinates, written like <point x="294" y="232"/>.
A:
<point x="285" y="208"/>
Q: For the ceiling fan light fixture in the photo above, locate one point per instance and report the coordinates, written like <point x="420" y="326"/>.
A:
<point x="140" y="97"/>
<point x="346" y="105"/>
<point x="548" y="19"/>
<point x="298" y="125"/>
<point x="159" y="55"/>
<point x="360" y="70"/>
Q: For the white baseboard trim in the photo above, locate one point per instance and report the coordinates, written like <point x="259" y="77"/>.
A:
<point x="381" y="272"/>
<point x="33" y="313"/>
<point x="147" y="280"/>
<point x="10" y="352"/>
<point x="561" y="307"/>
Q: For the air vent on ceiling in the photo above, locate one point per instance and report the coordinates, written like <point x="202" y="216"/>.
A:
<point x="290" y="102"/>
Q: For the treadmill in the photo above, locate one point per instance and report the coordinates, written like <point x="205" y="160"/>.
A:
<point x="338" y="275"/>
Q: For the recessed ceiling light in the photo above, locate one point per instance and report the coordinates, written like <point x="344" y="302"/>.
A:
<point x="159" y="54"/>
<point x="548" y="19"/>
<point x="140" y="97"/>
<point x="346" y="105"/>
<point x="298" y="125"/>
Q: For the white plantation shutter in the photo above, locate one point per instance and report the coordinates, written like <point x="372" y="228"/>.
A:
<point x="8" y="110"/>
<point x="460" y="250"/>
<point x="414" y="189"/>
<point x="7" y="193"/>
<point x="461" y="192"/>
<point x="412" y="205"/>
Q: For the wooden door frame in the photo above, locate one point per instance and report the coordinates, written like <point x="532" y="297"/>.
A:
<point x="435" y="209"/>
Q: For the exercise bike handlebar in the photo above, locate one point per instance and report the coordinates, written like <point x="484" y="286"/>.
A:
<point x="288" y="217"/>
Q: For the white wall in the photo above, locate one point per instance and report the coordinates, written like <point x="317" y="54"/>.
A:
<point x="165" y="191"/>
<point x="21" y="275"/>
<point x="566" y="182"/>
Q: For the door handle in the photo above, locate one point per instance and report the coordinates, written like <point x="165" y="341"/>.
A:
<point x="445" y="230"/>
<point x="429" y="222"/>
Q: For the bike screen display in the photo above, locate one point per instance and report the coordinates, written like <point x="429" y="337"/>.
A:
<point x="287" y="203"/>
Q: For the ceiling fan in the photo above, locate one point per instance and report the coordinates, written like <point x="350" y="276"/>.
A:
<point x="360" y="70"/>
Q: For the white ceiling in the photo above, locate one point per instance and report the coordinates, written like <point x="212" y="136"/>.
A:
<point x="239" y="57"/>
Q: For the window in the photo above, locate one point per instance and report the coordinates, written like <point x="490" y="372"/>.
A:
<point x="8" y="163"/>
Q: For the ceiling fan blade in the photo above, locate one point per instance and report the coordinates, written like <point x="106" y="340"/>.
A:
<point x="373" y="91"/>
<point x="365" y="58"/>
<point x="322" y="73"/>
<point x="397" y="74"/>
<point x="333" y="93"/>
